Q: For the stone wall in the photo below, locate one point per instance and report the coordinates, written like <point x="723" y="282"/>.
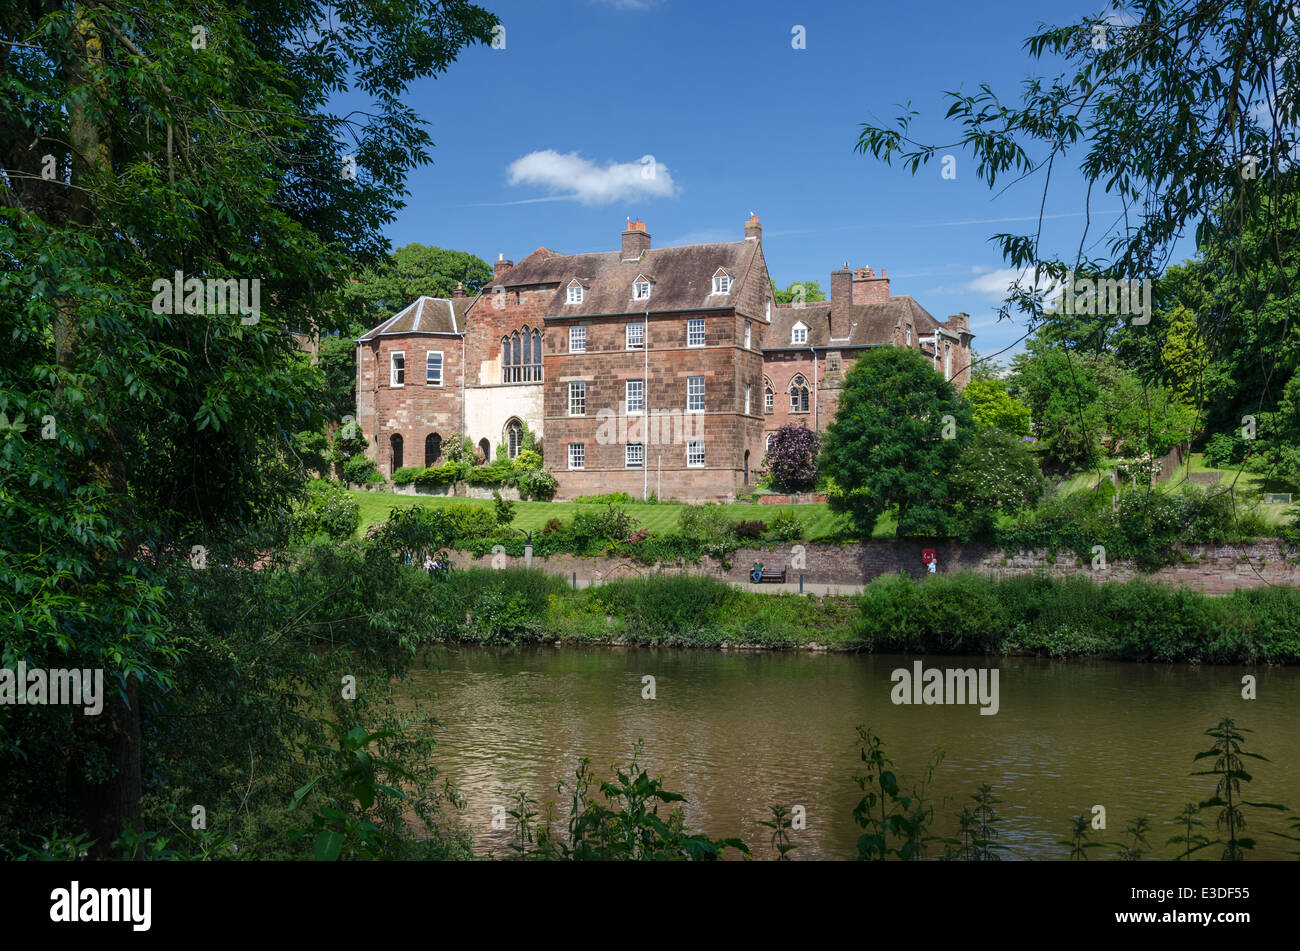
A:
<point x="1208" y="568"/>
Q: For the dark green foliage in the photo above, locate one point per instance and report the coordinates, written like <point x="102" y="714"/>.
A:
<point x="609" y="498"/>
<point x="750" y="530"/>
<point x="626" y="825"/>
<point x="1228" y="768"/>
<point x="896" y="438"/>
<point x="785" y="527"/>
<point x="406" y="475"/>
<point x="502" y="509"/>
<point x="327" y="510"/>
<point x="896" y="822"/>
<point x="1063" y="617"/>
<point x="780" y="826"/>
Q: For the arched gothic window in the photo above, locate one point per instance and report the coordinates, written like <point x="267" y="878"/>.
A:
<point x="395" y="452"/>
<point x="521" y="357"/>
<point x="432" y="449"/>
<point x="514" y="437"/>
<point x="799" y="394"/>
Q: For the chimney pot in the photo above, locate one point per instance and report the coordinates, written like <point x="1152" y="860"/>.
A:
<point x="636" y="240"/>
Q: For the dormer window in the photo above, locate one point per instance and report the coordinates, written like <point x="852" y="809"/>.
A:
<point x="641" y="288"/>
<point x="576" y="293"/>
<point x="721" y="282"/>
<point x="799" y="333"/>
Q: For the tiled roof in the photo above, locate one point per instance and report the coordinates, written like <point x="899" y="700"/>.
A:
<point x="871" y="325"/>
<point x="431" y="315"/>
<point x="682" y="277"/>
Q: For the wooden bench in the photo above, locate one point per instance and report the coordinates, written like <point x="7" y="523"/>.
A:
<point x="759" y="575"/>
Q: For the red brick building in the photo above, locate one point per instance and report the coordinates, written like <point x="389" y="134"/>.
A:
<point x="638" y="370"/>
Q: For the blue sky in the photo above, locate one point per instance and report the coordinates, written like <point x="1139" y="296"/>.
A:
<point x="543" y="142"/>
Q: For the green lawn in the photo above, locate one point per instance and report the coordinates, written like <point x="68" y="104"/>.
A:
<point x="818" y="520"/>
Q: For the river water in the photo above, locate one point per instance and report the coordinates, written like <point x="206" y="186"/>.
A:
<point x="738" y="731"/>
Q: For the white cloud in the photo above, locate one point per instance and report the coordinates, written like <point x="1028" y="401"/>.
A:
<point x="997" y="282"/>
<point x="627" y="4"/>
<point x="584" y="181"/>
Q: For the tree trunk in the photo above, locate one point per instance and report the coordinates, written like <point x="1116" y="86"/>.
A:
<point x="102" y="803"/>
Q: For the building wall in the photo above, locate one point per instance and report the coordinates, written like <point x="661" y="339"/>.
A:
<point x="605" y="430"/>
<point x="489" y="408"/>
<point x="413" y="410"/>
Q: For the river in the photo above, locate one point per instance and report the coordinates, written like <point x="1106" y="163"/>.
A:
<point x="738" y="731"/>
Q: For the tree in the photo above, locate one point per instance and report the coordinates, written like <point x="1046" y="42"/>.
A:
<point x="792" y="458"/>
<point x="995" y="408"/>
<point x="1184" y="356"/>
<point x="142" y="150"/>
<point x="996" y="472"/>
<point x="895" y="439"/>
<point x="808" y="292"/>
<point x="412" y="271"/>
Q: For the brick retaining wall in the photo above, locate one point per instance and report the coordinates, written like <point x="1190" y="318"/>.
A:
<point x="1208" y="568"/>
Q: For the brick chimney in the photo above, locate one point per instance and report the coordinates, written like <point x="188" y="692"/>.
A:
<point x="636" y="240"/>
<point x="753" y="229"/>
<point x="499" y="267"/>
<point x="960" y="322"/>
<point x="841" y="302"/>
<point x="867" y="288"/>
<point x="459" y="291"/>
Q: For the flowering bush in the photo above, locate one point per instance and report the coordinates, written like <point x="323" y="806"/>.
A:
<point x="791" y="458"/>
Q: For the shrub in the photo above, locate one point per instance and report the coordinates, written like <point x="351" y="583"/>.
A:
<point x="667" y="608"/>
<point x="406" y="475"/>
<point x="360" y="470"/>
<point x="751" y="530"/>
<point x="786" y="527"/>
<point x="436" y="476"/>
<point x="553" y="525"/>
<point x="708" y="525"/>
<point x="1224" y="450"/>
<point x="489" y="475"/>
<point x="610" y="498"/>
<point x="464" y="520"/>
<point x="537" y="484"/>
<point x="791" y="458"/>
<point x="503" y="509"/>
<point x="328" y="509"/>
<point x="528" y="460"/>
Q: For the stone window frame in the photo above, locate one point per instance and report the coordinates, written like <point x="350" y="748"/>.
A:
<point x="394" y="371"/>
<point x="749" y="327"/>
<point x="690" y="381"/>
<point x="441" y="367"/>
<point x="748" y="388"/>
<point x="799" y="394"/>
<point x="514" y="445"/>
<point x="577" y="452"/>
<point x="694" y="324"/>
<point x="627" y="397"/>
<point x="628" y="463"/>
<point x="693" y="446"/>
<point x="578" y="332"/>
<point x="578" y="396"/>
<point x="627" y="335"/>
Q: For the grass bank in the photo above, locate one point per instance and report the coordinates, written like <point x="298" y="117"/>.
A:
<point x="951" y="614"/>
<point x="819" y="522"/>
